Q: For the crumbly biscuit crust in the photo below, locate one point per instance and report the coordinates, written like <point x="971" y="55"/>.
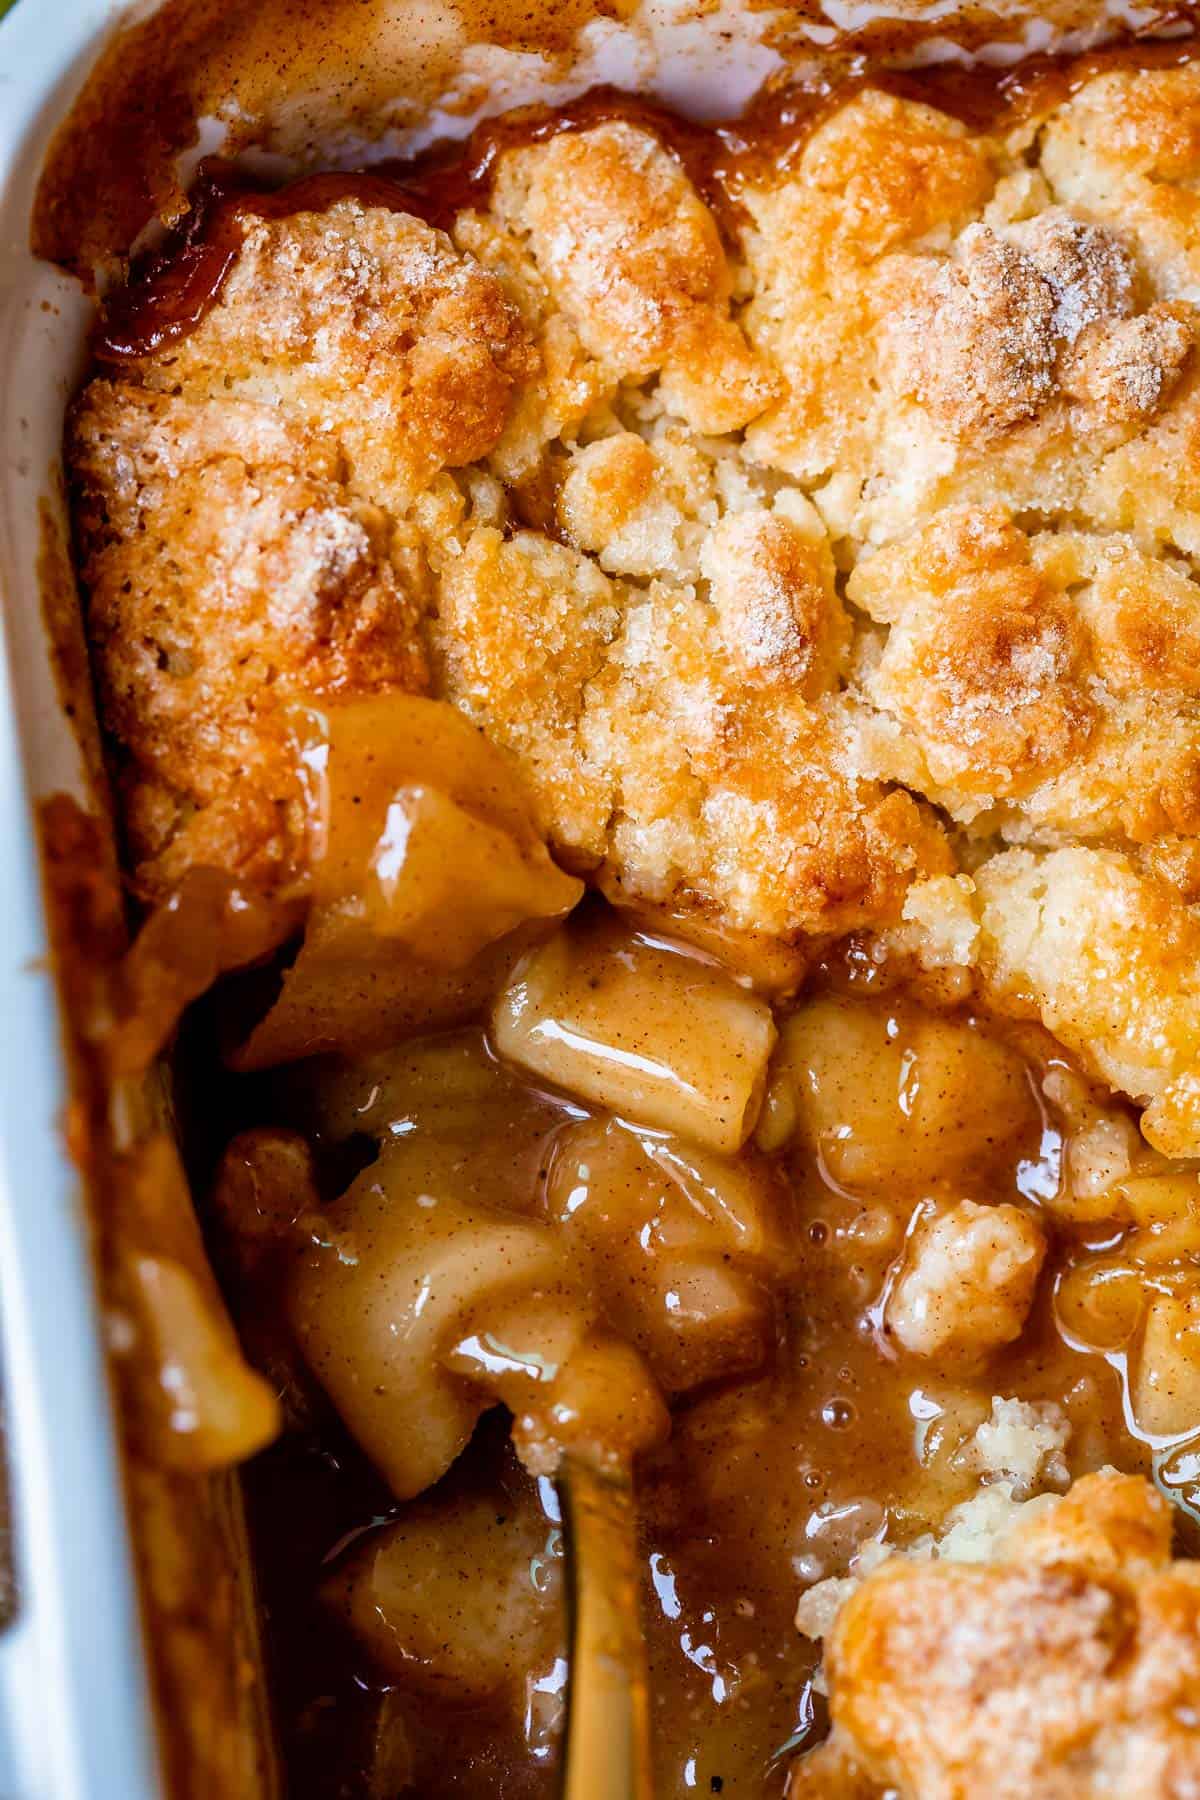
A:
<point x="1063" y="1667"/>
<point x="837" y="577"/>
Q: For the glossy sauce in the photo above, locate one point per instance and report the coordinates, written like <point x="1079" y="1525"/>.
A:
<point x="768" y="1482"/>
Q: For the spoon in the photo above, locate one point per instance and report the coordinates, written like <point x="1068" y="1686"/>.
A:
<point x="608" y="1713"/>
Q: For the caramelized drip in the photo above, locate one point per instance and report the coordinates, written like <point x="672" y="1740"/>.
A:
<point x="170" y="291"/>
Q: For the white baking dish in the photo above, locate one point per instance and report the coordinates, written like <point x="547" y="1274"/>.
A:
<point x="75" y="1715"/>
<point x="74" y="1708"/>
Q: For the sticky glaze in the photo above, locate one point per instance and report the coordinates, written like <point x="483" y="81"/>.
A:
<point x="170" y="291"/>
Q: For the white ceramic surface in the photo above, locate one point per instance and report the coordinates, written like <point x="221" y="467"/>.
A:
<point x="74" y="1713"/>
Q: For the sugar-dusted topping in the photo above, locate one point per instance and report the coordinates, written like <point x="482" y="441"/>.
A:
<point x="681" y="771"/>
<point x="976" y="346"/>
<point x="1110" y="959"/>
<point x="1017" y="316"/>
<point x="1123" y="151"/>
<point x="229" y="571"/>
<point x="642" y="509"/>
<point x="771" y="585"/>
<point x="564" y="383"/>
<point x="837" y="572"/>
<point x="877" y="176"/>
<point x="1089" y="272"/>
<point x="1123" y="370"/>
<point x="633" y="257"/>
<point x="240" y="500"/>
<point x="521" y="631"/>
<point x="984" y="659"/>
<point x="1064" y="1667"/>
<point x="369" y="326"/>
<point x="1042" y="680"/>
<point x="982" y="333"/>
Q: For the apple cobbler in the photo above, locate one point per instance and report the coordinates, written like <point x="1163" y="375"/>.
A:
<point x="655" y="674"/>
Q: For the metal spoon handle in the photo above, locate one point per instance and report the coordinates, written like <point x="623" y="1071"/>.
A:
<point x="608" y="1713"/>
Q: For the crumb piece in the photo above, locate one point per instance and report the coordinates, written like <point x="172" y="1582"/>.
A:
<point x="369" y="327"/>
<point x="984" y="660"/>
<point x="1089" y="271"/>
<point x="819" y="1605"/>
<point x="1109" y="959"/>
<point x="979" y="345"/>
<point x="1042" y="682"/>
<point x="521" y="630"/>
<point x="641" y="509"/>
<point x="967" y="1281"/>
<point x="1126" y="370"/>
<point x="778" y="617"/>
<point x="633" y="257"/>
<point x="1176" y="862"/>
<point x="879" y="174"/>
<point x="953" y="327"/>
<point x="939" y="922"/>
<point x="564" y="381"/>
<point x="1022" y="1441"/>
<point x="1102" y="1146"/>
<point x="664" y="748"/>
<point x="1124" y="149"/>
<point x="975" y="1531"/>
<point x="979" y="1529"/>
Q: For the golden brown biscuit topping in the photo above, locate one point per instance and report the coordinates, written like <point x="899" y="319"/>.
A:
<point x="1065" y="1667"/>
<point x="884" y="496"/>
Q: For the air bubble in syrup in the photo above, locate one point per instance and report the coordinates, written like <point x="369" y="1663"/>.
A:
<point x="839" y="1415"/>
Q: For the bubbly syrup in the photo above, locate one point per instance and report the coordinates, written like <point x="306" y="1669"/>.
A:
<point x="767" y="1483"/>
